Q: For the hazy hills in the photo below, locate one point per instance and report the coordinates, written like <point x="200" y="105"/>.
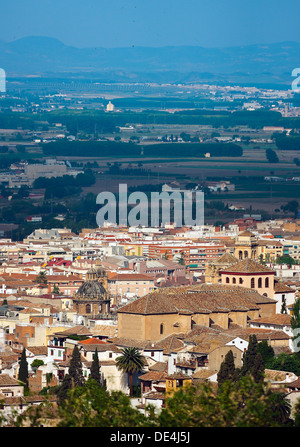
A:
<point x="42" y="55"/>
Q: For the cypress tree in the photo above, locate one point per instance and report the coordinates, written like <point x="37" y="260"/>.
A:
<point x="227" y="369"/>
<point x="95" y="368"/>
<point x="257" y="371"/>
<point x="62" y="392"/>
<point x="75" y="368"/>
<point x="253" y="363"/>
<point x="23" y="370"/>
<point x="266" y="351"/>
<point x="249" y="355"/>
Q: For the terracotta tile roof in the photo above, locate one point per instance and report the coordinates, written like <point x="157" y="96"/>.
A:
<point x="157" y="376"/>
<point x="277" y="376"/>
<point x="131" y="342"/>
<point x="159" y="366"/>
<point x="38" y="350"/>
<point x="76" y="330"/>
<point x="202" y="298"/>
<point x="156" y="395"/>
<point x="105" y="330"/>
<point x="225" y="258"/>
<point x="130" y="277"/>
<point x="278" y="319"/>
<point x="93" y="341"/>
<point x="247" y="233"/>
<point x="170" y="344"/>
<point x="261" y="334"/>
<point x="203" y="374"/>
<point x="177" y="376"/>
<point x="294" y="384"/>
<point x="281" y="287"/>
<point x="6" y="380"/>
<point x="101" y="348"/>
<point x="247" y="266"/>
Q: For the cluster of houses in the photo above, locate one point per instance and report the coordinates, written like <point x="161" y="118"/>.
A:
<point x="184" y="324"/>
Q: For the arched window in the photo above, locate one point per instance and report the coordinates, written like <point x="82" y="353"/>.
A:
<point x="161" y="329"/>
<point x="246" y="254"/>
<point x="252" y="283"/>
<point x="227" y="280"/>
<point x="260" y="283"/>
<point x="233" y="280"/>
<point x="240" y="254"/>
<point x="267" y="282"/>
<point x="241" y="281"/>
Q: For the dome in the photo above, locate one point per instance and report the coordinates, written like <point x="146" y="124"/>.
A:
<point x="91" y="290"/>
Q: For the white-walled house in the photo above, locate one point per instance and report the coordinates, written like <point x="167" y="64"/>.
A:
<point x="277" y="322"/>
<point x="116" y="380"/>
<point x="239" y="343"/>
<point x="283" y="294"/>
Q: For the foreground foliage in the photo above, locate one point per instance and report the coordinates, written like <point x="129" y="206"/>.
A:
<point x="244" y="403"/>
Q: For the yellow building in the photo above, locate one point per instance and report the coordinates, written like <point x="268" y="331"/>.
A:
<point x="176" y="310"/>
<point x="246" y="246"/>
<point x="251" y="275"/>
<point x="212" y="270"/>
<point x="176" y="381"/>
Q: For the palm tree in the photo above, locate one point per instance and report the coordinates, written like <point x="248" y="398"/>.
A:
<point x="130" y="361"/>
<point x="280" y="407"/>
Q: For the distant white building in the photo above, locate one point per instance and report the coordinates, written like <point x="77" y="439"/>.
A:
<point x="110" y="107"/>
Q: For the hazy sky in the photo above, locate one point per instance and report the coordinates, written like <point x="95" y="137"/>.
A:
<point x="121" y="23"/>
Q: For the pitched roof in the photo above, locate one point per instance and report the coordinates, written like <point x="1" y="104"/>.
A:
<point x="101" y="347"/>
<point x="93" y="341"/>
<point x="38" y="350"/>
<point x="247" y="266"/>
<point x="6" y="380"/>
<point x="225" y="258"/>
<point x="76" y="330"/>
<point x="159" y="366"/>
<point x="202" y="298"/>
<point x="156" y="376"/>
<point x="280" y="287"/>
<point x="277" y="319"/>
<point x="203" y="374"/>
<point x="261" y="334"/>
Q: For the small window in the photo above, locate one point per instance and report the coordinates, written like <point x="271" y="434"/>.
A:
<point x="161" y="329"/>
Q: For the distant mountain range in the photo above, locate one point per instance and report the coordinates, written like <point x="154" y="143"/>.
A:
<point x="271" y="63"/>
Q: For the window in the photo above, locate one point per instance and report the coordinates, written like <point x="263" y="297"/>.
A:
<point x="240" y="280"/>
<point x="267" y="282"/>
<point x="233" y="281"/>
<point x="161" y="329"/>
<point x="227" y="280"/>
<point x="252" y="283"/>
<point x="260" y="283"/>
